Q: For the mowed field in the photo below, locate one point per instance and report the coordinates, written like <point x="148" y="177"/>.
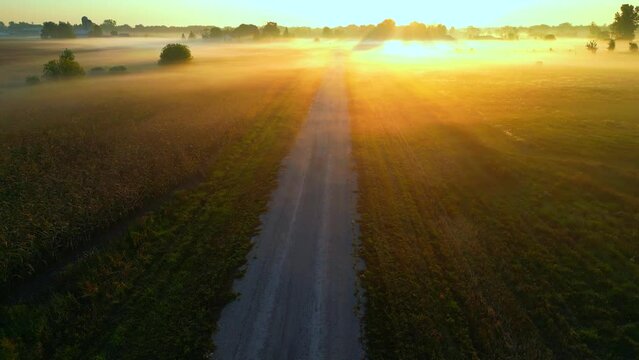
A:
<point x="79" y="156"/>
<point x="499" y="201"/>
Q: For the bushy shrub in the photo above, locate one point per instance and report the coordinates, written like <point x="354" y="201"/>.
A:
<point x="174" y="54"/>
<point x="612" y="44"/>
<point x="32" y="80"/>
<point x="550" y="37"/>
<point x="634" y="47"/>
<point x="117" y="69"/>
<point x="592" y="46"/>
<point x="64" y="67"/>
<point x="98" y="70"/>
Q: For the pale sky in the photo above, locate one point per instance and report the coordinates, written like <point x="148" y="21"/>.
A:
<point x="319" y="13"/>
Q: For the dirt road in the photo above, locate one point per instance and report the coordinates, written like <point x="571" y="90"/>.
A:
<point x="298" y="297"/>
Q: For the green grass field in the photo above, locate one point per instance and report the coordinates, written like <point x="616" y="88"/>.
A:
<point x="111" y="144"/>
<point x="500" y="210"/>
<point x="79" y="155"/>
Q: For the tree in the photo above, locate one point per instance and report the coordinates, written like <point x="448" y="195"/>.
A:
<point x="2" y="26"/>
<point x="212" y="33"/>
<point x="634" y="47"/>
<point x="87" y="24"/>
<point x="96" y="31"/>
<point x="191" y="35"/>
<point x="183" y="36"/>
<point x="626" y="22"/>
<point x="539" y="31"/>
<point x="419" y="31"/>
<point x="509" y="33"/>
<point x="64" y="67"/>
<point x="286" y="34"/>
<point x="383" y="30"/>
<point x="175" y="54"/>
<point x="62" y="30"/>
<point x="270" y="30"/>
<point x="327" y="32"/>
<point x="612" y="44"/>
<point x="472" y="32"/>
<point x="592" y="46"/>
<point x="246" y="30"/>
<point x="108" y="25"/>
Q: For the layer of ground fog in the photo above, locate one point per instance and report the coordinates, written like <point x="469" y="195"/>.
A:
<point x="79" y="155"/>
<point x="499" y="201"/>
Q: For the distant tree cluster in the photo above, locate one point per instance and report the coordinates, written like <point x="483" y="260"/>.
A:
<point x="383" y="31"/>
<point x="61" y="30"/>
<point x="419" y="31"/>
<point x="598" y="32"/>
<point x="270" y="30"/>
<point x="246" y="31"/>
<point x="213" y="33"/>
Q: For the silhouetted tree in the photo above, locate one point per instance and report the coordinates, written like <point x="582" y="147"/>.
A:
<point x="286" y="34"/>
<point x="96" y="31"/>
<point x="183" y="36"/>
<point x="612" y="44"/>
<point x="327" y="32"/>
<point x="87" y="24"/>
<point x="382" y="31"/>
<point x="108" y="25"/>
<point x="566" y="29"/>
<point x="539" y="31"/>
<point x="64" y="67"/>
<point x="175" y="54"/>
<point x="246" y="30"/>
<point x="191" y="35"/>
<point x="60" y="31"/>
<point x="2" y="26"/>
<point x="626" y="22"/>
<point x="419" y="31"/>
<point x="271" y="30"/>
<point x="212" y="33"/>
<point x="592" y="46"/>
<point x="634" y="47"/>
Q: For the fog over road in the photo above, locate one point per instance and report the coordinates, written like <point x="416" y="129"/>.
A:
<point x="298" y="296"/>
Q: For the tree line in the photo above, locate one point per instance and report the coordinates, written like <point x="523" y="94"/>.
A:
<point x="623" y="27"/>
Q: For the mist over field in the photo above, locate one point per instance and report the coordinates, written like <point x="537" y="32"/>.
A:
<point x="365" y="191"/>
